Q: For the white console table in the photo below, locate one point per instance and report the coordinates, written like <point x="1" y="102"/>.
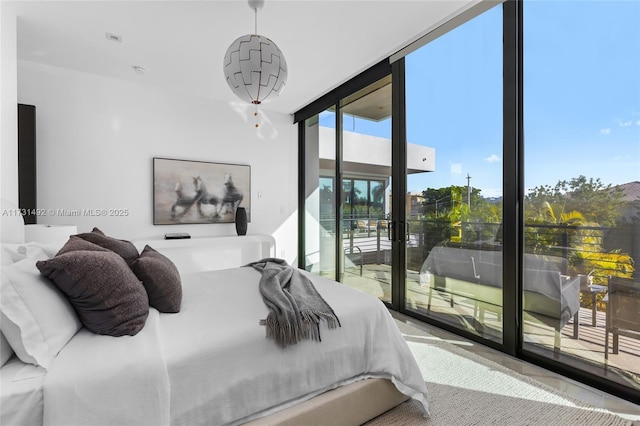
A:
<point x="210" y="253"/>
<point x="49" y="234"/>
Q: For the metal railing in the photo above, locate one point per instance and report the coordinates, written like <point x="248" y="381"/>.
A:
<point x="589" y="250"/>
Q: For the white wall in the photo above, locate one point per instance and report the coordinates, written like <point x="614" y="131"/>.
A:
<point x="96" y="138"/>
<point x="8" y="106"/>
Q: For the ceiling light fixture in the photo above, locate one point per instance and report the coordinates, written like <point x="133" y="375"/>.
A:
<point x="254" y="67"/>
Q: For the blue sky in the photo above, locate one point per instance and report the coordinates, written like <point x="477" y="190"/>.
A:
<point x="586" y="108"/>
<point x="582" y="97"/>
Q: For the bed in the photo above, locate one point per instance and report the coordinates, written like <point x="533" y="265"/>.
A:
<point x="210" y="363"/>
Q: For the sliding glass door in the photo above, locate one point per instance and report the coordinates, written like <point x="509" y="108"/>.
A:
<point x="348" y="190"/>
<point x="454" y="178"/>
<point x="488" y="183"/>
<point x="366" y="189"/>
<point x="320" y="208"/>
<point x="581" y="301"/>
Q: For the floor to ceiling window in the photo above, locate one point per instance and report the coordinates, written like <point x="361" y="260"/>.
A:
<point x="582" y="182"/>
<point x="349" y="240"/>
<point x="366" y="207"/>
<point x="320" y="202"/>
<point x="511" y="213"/>
<point x="454" y="115"/>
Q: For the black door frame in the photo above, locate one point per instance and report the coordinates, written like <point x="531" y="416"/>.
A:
<point x="398" y="186"/>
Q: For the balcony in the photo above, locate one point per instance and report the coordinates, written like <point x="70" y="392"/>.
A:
<point x="580" y="341"/>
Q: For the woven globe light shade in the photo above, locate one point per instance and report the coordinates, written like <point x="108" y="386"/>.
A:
<point x="255" y="68"/>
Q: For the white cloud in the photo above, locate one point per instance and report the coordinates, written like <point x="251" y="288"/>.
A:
<point x="626" y="123"/>
<point x="605" y="131"/>
<point x="638" y="123"/>
<point x="456" y="168"/>
<point x="621" y="157"/>
<point x="492" y="159"/>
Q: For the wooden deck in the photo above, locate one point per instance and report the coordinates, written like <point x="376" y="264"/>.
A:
<point x="592" y="340"/>
<point x="369" y="271"/>
<point x="588" y="348"/>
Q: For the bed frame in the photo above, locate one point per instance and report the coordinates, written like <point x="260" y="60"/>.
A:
<point x="348" y="405"/>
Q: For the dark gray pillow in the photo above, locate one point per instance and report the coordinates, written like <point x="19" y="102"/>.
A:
<point x="124" y="248"/>
<point x="107" y="296"/>
<point x="160" y="278"/>
<point x="76" y="243"/>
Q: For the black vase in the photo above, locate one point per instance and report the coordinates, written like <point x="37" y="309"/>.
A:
<point x="241" y="221"/>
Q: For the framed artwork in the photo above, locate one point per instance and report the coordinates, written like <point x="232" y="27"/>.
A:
<point x="199" y="192"/>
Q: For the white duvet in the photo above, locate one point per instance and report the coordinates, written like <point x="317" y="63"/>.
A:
<point x="211" y="363"/>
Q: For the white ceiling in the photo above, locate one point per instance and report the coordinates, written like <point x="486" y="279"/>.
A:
<point x="181" y="44"/>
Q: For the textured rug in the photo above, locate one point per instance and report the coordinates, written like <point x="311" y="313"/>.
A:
<point x="467" y="389"/>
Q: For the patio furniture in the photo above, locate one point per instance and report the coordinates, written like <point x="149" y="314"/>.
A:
<point x="623" y="311"/>
<point x="592" y="290"/>
<point x="549" y="296"/>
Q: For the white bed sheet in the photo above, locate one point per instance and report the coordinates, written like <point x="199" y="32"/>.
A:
<point x="211" y="363"/>
<point x="223" y="370"/>
<point x="103" y="380"/>
<point x="22" y="394"/>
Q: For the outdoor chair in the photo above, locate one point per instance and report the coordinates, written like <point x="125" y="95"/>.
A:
<point x="550" y="297"/>
<point x="623" y="311"/>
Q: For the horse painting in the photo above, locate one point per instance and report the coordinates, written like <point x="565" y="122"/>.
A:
<point x="224" y="201"/>
<point x="232" y="195"/>
<point x="183" y="203"/>
<point x="187" y="192"/>
<point x="207" y="203"/>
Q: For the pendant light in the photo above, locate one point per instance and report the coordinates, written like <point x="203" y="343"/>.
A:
<point x="254" y="67"/>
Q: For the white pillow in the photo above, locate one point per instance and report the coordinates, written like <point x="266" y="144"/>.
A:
<point x="37" y="318"/>
<point x="5" y="350"/>
<point x="11" y="223"/>
<point x="12" y="253"/>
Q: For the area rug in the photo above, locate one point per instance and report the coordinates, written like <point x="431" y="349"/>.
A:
<point x="467" y="389"/>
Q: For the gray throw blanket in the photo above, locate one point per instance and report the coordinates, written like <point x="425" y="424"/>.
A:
<point x="296" y="308"/>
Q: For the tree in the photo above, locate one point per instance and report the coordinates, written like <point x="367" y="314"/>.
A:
<point x="597" y="202"/>
<point x="468" y="223"/>
<point x="436" y="201"/>
<point x="450" y="202"/>
<point x="567" y="218"/>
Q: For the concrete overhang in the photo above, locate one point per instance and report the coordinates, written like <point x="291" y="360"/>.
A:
<point x="371" y="155"/>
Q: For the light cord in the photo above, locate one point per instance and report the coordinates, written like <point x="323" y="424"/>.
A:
<point x="256" y="21"/>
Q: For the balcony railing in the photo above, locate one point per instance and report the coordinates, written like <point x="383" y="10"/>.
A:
<point x="599" y="252"/>
<point x="593" y="251"/>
